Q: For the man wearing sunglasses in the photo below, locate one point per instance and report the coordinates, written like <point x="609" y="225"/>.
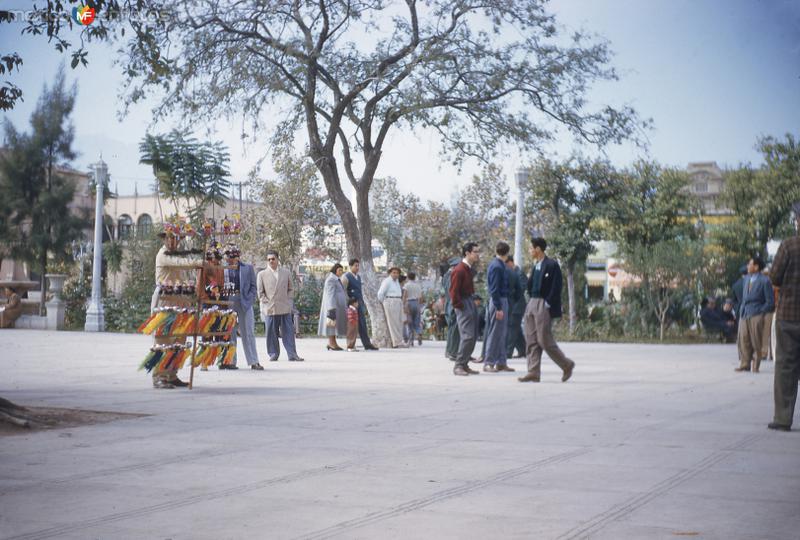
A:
<point x="275" y="295"/>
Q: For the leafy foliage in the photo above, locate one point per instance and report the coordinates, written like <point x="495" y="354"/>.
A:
<point x="290" y="206"/>
<point x="761" y="198"/>
<point x="36" y="195"/>
<point x="186" y="169"/>
<point x="126" y="312"/>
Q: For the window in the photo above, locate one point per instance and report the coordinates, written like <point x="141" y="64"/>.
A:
<point x="701" y="187"/>
<point x="144" y="226"/>
<point x="124" y="227"/>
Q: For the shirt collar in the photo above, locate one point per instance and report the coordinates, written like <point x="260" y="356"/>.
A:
<point x="464" y="260"/>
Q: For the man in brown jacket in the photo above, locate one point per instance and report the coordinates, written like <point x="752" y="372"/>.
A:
<point x="785" y="276"/>
<point x="274" y="285"/>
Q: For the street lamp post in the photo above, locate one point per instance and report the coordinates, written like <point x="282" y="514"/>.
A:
<point x="522" y="178"/>
<point x="95" y="318"/>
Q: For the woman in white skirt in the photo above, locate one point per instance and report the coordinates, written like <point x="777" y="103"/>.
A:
<point x="391" y="296"/>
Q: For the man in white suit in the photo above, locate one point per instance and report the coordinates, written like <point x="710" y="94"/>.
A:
<point x="275" y="296"/>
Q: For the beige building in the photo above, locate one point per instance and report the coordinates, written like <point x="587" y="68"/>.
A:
<point x="136" y="215"/>
<point x="708" y="183"/>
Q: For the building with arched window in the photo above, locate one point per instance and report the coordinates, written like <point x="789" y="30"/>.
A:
<point x="144" y="226"/>
<point x="124" y="227"/>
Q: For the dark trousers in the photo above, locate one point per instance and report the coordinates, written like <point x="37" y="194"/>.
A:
<point x="467" y="318"/>
<point x="787" y="370"/>
<point x="362" y="326"/>
<point x="516" y="338"/>
<point x="286" y="325"/>
<point x="494" y="343"/>
<point x="414" y="321"/>
<point x="453" y="337"/>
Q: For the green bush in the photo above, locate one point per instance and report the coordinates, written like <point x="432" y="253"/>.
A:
<point x="126" y="313"/>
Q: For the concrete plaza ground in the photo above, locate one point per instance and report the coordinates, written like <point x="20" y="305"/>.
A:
<point x="645" y="441"/>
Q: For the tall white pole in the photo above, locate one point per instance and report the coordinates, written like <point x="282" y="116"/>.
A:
<point x="521" y="177"/>
<point x="95" y="318"/>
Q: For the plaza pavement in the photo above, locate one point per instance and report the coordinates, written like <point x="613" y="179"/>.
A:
<point x="645" y="441"/>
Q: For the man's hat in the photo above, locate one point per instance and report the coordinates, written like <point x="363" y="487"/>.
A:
<point x="392" y="268"/>
<point x="232" y="250"/>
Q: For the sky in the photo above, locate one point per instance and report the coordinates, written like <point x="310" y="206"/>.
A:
<point x="712" y="75"/>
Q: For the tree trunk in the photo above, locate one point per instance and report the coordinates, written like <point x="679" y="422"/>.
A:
<point x="370" y="280"/>
<point x="573" y="316"/>
<point x="43" y="284"/>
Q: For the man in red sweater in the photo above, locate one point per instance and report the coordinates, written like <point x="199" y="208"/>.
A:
<point x="462" y="291"/>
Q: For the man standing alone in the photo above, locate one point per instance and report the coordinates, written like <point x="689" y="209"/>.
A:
<point x="785" y="275"/>
<point x="497" y="312"/>
<point x="275" y="295"/>
<point x="352" y="285"/>
<point x="758" y="300"/>
<point x="462" y="290"/>
<point x="544" y="290"/>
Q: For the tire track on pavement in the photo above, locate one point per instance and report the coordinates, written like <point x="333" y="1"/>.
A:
<point x="416" y="504"/>
<point x="599" y="521"/>
<point x="210" y="496"/>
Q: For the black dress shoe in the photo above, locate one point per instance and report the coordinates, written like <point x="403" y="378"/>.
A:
<point x="298" y="359"/>
<point x="471" y="371"/>
<point x="224" y="366"/>
<point x="371" y="348"/>
<point x="779" y="427"/>
<point x="568" y="373"/>
<point x="178" y="383"/>
<point x="273" y="359"/>
<point x="257" y="367"/>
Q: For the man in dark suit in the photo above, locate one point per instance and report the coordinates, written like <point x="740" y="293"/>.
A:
<point x="757" y="302"/>
<point x="785" y="275"/>
<point x="516" y="299"/>
<point x="243" y="278"/>
<point x="352" y="285"/>
<point x="544" y="291"/>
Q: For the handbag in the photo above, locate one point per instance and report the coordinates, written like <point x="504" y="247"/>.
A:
<point x="331" y="318"/>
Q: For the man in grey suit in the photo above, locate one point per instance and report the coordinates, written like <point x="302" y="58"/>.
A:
<point x="758" y="300"/>
<point x="243" y="278"/>
<point x="275" y="296"/>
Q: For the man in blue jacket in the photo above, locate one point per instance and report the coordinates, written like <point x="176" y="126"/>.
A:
<point x="497" y="312"/>
<point x="352" y="284"/>
<point x="544" y="291"/>
<point x="758" y="300"/>
<point x="243" y="278"/>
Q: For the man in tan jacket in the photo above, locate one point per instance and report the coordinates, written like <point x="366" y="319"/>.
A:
<point x="275" y="296"/>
